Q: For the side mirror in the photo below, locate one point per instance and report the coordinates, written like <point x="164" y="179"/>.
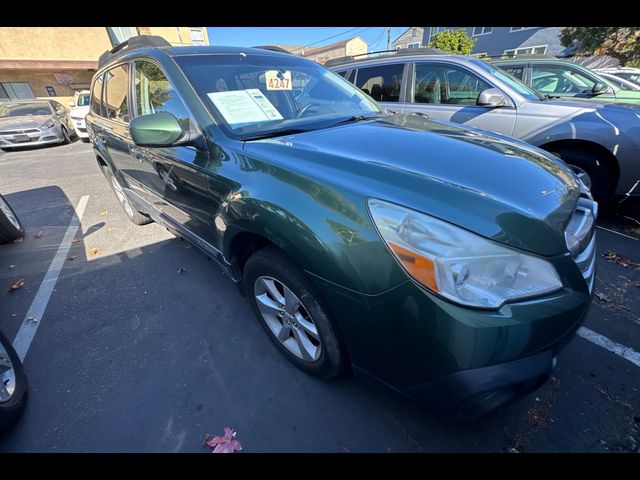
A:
<point x="155" y="130"/>
<point x="72" y="104"/>
<point x="493" y="98"/>
<point x="599" y="88"/>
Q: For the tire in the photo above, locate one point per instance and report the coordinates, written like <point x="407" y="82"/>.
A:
<point x="271" y="263"/>
<point x="11" y="408"/>
<point x="66" y="139"/>
<point x="600" y="175"/>
<point x="127" y="207"/>
<point x="10" y="226"/>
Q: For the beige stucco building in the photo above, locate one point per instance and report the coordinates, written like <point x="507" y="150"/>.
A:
<point x="351" y="46"/>
<point x="59" y="61"/>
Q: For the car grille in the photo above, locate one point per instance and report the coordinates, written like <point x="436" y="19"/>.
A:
<point x="19" y="132"/>
<point x="580" y="236"/>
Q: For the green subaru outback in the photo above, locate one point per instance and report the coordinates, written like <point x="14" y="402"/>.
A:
<point x="446" y="262"/>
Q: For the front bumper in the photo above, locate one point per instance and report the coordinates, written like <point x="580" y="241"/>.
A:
<point x="452" y="358"/>
<point x="31" y="137"/>
<point x="80" y="127"/>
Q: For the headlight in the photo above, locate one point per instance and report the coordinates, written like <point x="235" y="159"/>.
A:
<point x="457" y="264"/>
<point x="47" y="124"/>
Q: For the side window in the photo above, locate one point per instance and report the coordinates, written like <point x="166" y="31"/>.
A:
<point x="96" y="96"/>
<point x="517" y="72"/>
<point x="448" y="85"/>
<point x="155" y="94"/>
<point x="552" y="79"/>
<point x="382" y="82"/>
<point x="346" y="74"/>
<point x="116" y="93"/>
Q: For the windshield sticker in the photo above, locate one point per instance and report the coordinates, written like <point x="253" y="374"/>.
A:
<point x="241" y="107"/>
<point x="278" y="80"/>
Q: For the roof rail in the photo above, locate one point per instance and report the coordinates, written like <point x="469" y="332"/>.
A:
<point x="273" y="48"/>
<point x="529" y="56"/>
<point x="133" y="43"/>
<point x="400" y="52"/>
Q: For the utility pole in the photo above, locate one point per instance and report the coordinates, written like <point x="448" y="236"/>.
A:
<point x="388" y="38"/>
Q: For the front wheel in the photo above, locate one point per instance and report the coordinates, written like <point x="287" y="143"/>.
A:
<point x="10" y="227"/>
<point x="596" y="171"/>
<point x="293" y="314"/>
<point x="132" y="214"/>
<point x="13" y="384"/>
<point x="66" y="139"/>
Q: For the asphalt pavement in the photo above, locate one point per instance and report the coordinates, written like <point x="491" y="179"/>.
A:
<point x="145" y="346"/>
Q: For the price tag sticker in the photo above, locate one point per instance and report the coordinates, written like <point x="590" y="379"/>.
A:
<point x="278" y="80"/>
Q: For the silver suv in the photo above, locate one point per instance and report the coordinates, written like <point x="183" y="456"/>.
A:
<point x="601" y="140"/>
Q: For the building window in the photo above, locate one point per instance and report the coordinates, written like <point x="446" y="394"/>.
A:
<point x="398" y="47"/>
<point x="413" y="45"/>
<point x="120" y="34"/>
<point x="414" y="32"/>
<point x="537" y="50"/>
<point x="197" y="36"/>
<point x="16" y="90"/>
<point x="477" y="31"/>
<point x="517" y="29"/>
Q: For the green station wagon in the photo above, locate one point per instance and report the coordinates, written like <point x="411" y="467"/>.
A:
<point x="446" y="262"/>
<point x="561" y="78"/>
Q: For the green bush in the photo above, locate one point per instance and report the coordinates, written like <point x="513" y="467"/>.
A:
<point x="453" y="41"/>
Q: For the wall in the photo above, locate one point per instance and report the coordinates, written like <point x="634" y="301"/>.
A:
<point x="53" y="43"/>
<point x="38" y="79"/>
<point x="407" y="37"/>
<point x="174" y="35"/>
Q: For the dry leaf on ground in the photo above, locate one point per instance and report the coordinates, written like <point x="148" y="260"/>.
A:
<point x="76" y="240"/>
<point x="16" y="285"/>
<point x="17" y="240"/>
<point x="11" y="267"/>
<point x="105" y="213"/>
<point x="95" y="251"/>
<point x="224" y="444"/>
<point x="38" y="235"/>
<point x="72" y="258"/>
<point x="181" y="269"/>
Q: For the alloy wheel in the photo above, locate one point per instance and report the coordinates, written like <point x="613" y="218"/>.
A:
<point x="4" y="206"/>
<point x="122" y="198"/>
<point x="7" y="375"/>
<point x="287" y="318"/>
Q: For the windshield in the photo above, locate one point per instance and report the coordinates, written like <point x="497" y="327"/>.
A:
<point x="83" y="100"/>
<point x="252" y="95"/>
<point x="10" y="109"/>
<point x="511" y="81"/>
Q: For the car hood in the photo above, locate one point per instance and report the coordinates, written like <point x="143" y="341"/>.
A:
<point x="23" y="123"/>
<point x="80" y="112"/>
<point x="496" y="186"/>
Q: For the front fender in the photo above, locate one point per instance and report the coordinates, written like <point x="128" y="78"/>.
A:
<point x="324" y="228"/>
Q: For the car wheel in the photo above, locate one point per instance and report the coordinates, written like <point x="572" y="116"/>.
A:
<point x="129" y="210"/>
<point x="293" y="314"/>
<point x="13" y="384"/>
<point x="587" y="163"/>
<point x="10" y="226"/>
<point x="65" y="135"/>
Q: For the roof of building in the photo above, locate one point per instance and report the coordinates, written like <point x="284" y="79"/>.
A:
<point x="331" y="46"/>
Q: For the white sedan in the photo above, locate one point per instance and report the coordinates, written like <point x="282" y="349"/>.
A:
<point x="79" y="112"/>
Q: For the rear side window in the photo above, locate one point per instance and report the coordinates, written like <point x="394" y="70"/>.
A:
<point x="116" y="94"/>
<point x="381" y="82"/>
<point x="517" y="72"/>
<point x="346" y="75"/>
<point x="155" y="94"/>
<point x="96" y="96"/>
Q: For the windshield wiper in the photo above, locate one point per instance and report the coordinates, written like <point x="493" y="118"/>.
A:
<point x="546" y="96"/>
<point x="356" y="118"/>
<point x="275" y="133"/>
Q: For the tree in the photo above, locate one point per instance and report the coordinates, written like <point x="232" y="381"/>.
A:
<point x="622" y="43"/>
<point x="453" y="41"/>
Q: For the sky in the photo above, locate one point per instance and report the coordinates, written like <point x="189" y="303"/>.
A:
<point x="376" y="37"/>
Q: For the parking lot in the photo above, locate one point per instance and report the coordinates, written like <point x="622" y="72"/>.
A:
<point x="126" y="358"/>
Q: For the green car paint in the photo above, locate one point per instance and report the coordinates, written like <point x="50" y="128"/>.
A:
<point x="578" y="79"/>
<point x="307" y="192"/>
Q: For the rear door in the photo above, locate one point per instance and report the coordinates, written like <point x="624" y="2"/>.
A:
<point x="384" y="83"/>
<point x="447" y="91"/>
<point x="172" y="178"/>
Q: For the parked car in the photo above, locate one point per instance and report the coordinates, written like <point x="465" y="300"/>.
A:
<point x="13" y="383"/>
<point x="619" y="82"/>
<point x="446" y="262"/>
<point x="627" y="73"/>
<point x="78" y="112"/>
<point x="562" y="78"/>
<point x="599" y="140"/>
<point x="33" y="122"/>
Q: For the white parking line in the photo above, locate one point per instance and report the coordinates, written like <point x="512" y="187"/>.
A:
<point x="33" y="318"/>
<point x="615" y="347"/>
<point x="618" y="233"/>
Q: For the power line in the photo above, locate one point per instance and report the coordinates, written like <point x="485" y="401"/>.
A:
<point x="332" y="36"/>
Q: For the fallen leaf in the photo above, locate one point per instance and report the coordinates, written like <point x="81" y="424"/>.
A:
<point x="72" y="258"/>
<point x="181" y="270"/>
<point x="622" y="261"/>
<point x="31" y="320"/>
<point x="18" y="240"/>
<point x="95" y="251"/>
<point x="105" y="213"/>
<point x="225" y="444"/>
<point x="110" y="229"/>
<point x="76" y="240"/>
<point x="16" y="285"/>
<point x="11" y="267"/>
<point x="38" y="235"/>
<point x="601" y="296"/>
